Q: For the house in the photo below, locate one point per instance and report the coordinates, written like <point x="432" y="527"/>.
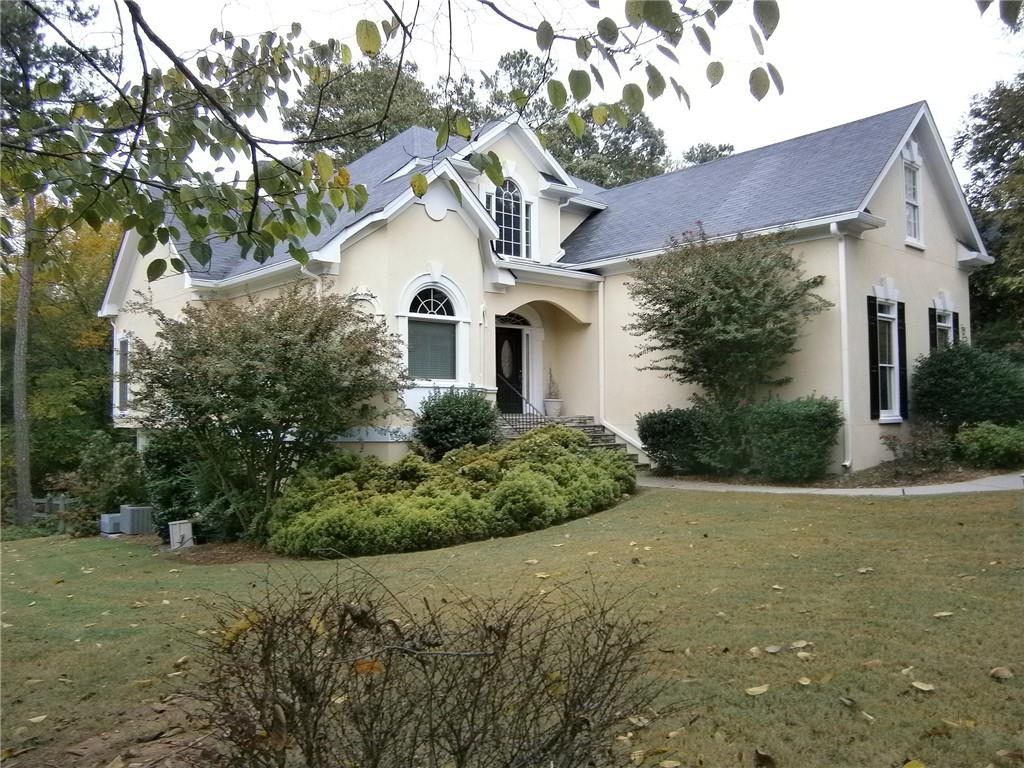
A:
<point x="511" y="285"/>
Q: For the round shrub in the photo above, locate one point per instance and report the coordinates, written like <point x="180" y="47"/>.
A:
<point x="529" y="499"/>
<point x="669" y="437"/>
<point x="963" y="384"/>
<point x="791" y="440"/>
<point x="453" y="419"/>
<point x="992" y="445"/>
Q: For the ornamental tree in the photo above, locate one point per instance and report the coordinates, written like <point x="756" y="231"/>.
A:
<point x="722" y="315"/>
<point x="261" y="387"/>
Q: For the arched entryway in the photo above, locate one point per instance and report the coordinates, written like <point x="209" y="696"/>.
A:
<point x="519" y="362"/>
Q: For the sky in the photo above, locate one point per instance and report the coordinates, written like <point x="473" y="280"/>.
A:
<point x="840" y="60"/>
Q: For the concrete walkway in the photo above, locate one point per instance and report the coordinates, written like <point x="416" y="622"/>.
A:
<point x="1014" y="481"/>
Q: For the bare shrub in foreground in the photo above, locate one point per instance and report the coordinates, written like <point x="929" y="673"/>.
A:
<point x="341" y="673"/>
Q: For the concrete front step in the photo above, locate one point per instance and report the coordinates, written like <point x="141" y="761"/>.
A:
<point x="513" y="426"/>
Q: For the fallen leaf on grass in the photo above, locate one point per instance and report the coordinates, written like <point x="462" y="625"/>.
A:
<point x="669" y="764"/>
<point x="755" y="653"/>
<point x="1000" y="673"/>
<point x="942" y="614"/>
<point x="871" y="663"/>
<point x="773" y="649"/>
<point x="757" y="690"/>
<point x="799" y="644"/>
<point x="914" y="764"/>
<point x="175" y="570"/>
<point x="640" y="721"/>
<point x="32" y="603"/>
<point x="58" y="581"/>
<point x="926" y="687"/>
<point x="542" y="575"/>
<point x="865" y="570"/>
<point x="37" y="719"/>
<point x="804" y="680"/>
<point x="960" y="723"/>
<point x="777" y="587"/>
<point x="165" y="602"/>
<point x="804" y="655"/>
<point x="531" y="561"/>
<point x="906" y="671"/>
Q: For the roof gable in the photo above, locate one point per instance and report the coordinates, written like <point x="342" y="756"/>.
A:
<point x="811" y="177"/>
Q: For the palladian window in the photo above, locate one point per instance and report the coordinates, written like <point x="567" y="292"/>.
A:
<point x="432" y="335"/>
<point x="514" y="218"/>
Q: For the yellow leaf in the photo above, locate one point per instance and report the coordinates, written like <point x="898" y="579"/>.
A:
<point x="914" y="764"/>
<point x="804" y="680"/>
<point x="927" y="687"/>
<point x="757" y="690"/>
<point x="317" y="625"/>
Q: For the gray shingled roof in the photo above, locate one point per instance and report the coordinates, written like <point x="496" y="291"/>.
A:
<point x="372" y="169"/>
<point x="820" y="174"/>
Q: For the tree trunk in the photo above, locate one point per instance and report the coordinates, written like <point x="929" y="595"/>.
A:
<point x="19" y="374"/>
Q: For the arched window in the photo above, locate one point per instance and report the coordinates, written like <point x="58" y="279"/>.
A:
<point x="514" y="218"/>
<point x="432" y="335"/>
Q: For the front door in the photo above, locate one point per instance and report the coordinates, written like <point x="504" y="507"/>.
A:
<point x="509" y="365"/>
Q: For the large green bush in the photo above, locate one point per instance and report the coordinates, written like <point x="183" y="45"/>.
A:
<point x="455" y="418"/>
<point x="548" y="476"/>
<point x="962" y="384"/>
<point x="784" y="441"/>
<point x="992" y="445"/>
<point x="791" y="440"/>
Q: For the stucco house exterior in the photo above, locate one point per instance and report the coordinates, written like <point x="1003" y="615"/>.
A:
<point x="513" y="284"/>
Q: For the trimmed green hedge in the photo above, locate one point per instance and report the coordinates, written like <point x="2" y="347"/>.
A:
<point x="992" y="445"/>
<point x="548" y="476"/>
<point x="782" y="440"/>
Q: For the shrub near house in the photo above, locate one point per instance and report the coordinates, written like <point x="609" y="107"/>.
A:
<point x="548" y="476"/>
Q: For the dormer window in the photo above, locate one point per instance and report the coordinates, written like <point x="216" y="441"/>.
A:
<point x="912" y="194"/>
<point x="514" y="217"/>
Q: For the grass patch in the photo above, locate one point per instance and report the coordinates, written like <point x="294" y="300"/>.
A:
<point x="110" y="618"/>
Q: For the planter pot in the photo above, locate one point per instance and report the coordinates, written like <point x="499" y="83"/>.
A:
<point x="553" y="408"/>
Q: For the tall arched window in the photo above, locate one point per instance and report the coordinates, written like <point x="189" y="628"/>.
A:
<point x="432" y="335"/>
<point x="513" y="216"/>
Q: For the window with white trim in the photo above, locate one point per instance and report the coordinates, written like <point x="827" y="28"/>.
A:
<point x="432" y="336"/>
<point x="944" y="336"/>
<point x="912" y="193"/>
<point x="123" y="371"/>
<point x="514" y="217"/>
<point x="888" y="360"/>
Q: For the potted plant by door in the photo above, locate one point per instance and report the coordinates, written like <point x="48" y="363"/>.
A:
<point x="553" y="402"/>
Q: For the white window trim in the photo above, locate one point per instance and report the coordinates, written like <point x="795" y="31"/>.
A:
<point x="912" y="161"/>
<point x="120" y="407"/>
<point x="460" y="319"/>
<point x="944" y="324"/>
<point x="891" y="415"/>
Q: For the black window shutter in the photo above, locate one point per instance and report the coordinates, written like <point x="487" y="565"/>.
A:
<point x="956" y="327"/>
<point x="933" y="330"/>
<point x="901" y="336"/>
<point x="873" y="354"/>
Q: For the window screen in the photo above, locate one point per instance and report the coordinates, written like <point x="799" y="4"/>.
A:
<point x="431" y="349"/>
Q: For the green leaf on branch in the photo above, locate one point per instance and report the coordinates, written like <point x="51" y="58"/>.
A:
<point x="600" y="114"/>
<point x="545" y="36"/>
<point x="178" y="265"/>
<point x="680" y="92"/>
<point x="579" y="83"/>
<point x="633" y="97"/>
<point x="715" y="71"/>
<point x="759" y="83"/>
<point x="766" y="14"/>
<point x="608" y="30"/>
<point x="703" y="38"/>
<point x="368" y="37"/>
<point x="418" y="182"/>
<point x="757" y="40"/>
<point x="720" y="6"/>
<point x="156" y="267"/>
<point x="557" y="94"/>
<point x="442" y="135"/>
<point x="462" y="126"/>
<point x="576" y="125"/>
<point x="584" y="47"/>
<point x="776" y="77"/>
<point x="324" y="166"/>
<point x="455" y="190"/>
<point x="655" y="81"/>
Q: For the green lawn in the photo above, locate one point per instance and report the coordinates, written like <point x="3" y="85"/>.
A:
<point x="92" y="628"/>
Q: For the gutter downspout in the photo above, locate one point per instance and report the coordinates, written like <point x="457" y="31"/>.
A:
<point x="600" y="353"/>
<point x="844" y="345"/>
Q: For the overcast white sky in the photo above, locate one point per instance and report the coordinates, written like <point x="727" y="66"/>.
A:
<point x="840" y="59"/>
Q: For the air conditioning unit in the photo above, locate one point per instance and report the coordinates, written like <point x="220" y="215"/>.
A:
<point x="180" y="534"/>
<point x="137" y="520"/>
<point x="110" y="524"/>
